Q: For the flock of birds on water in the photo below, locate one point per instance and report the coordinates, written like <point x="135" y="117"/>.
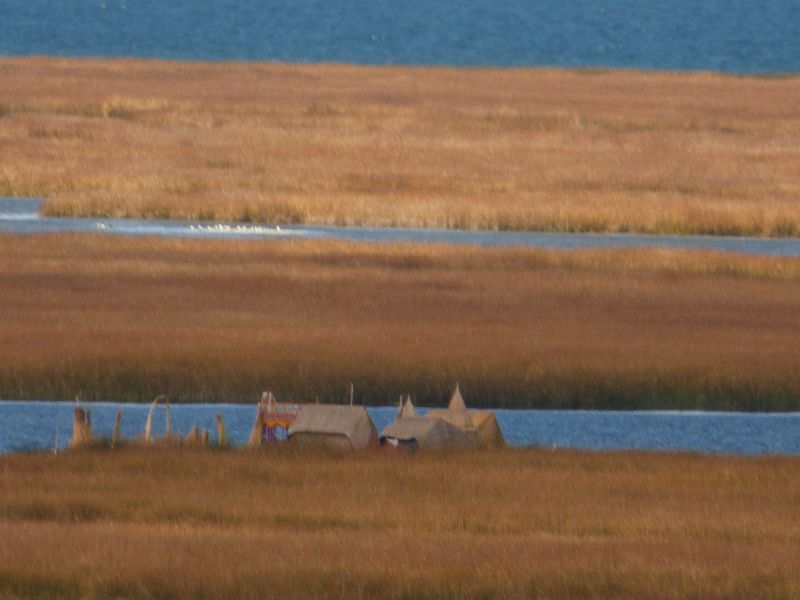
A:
<point x="223" y="228"/>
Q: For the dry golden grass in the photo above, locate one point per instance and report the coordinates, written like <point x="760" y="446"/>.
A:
<point x="121" y="318"/>
<point x="500" y="148"/>
<point x="499" y="524"/>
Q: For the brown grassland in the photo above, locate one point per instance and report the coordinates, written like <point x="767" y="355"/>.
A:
<point x="127" y="319"/>
<point x="500" y="524"/>
<point x="579" y="150"/>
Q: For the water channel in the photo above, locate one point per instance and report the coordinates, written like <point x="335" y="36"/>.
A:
<point x="44" y="425"/>
<point x="21" y="216"/>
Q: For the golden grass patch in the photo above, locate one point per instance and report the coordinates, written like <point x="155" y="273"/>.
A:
<point x="498" y="524"/>
<point x="126" y="318"/>
<point x="510" y="149"/>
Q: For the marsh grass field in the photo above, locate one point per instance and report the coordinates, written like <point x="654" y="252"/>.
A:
<point x="500" y="524"/>
<point x="509" y="149"/>
<point x="114" y="318"/>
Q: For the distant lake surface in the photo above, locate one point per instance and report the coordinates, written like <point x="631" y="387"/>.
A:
<point x="743" y="36"/>
<point x="26" y="426"/>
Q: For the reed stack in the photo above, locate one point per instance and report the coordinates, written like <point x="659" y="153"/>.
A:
<point x="222" y="435"/>
<point x="198" y="437"/>
<point x="81" y="427"/>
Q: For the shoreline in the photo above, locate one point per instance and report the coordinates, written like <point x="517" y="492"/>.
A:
<point x="577" y="69"/>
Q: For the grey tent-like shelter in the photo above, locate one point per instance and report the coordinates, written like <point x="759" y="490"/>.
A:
<point x="427" y="434"/>
<point x="334" y="426"/>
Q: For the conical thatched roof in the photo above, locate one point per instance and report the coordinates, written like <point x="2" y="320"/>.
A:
<point x="407" y="410"/>
<point x="430" y="434"/>
<point x="457" y="412"/>
<point x="456" y="401"/>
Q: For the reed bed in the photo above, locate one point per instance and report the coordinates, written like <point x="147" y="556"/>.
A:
<point x="128" y="319"/>
<point x="510" y="149"/>
<point x="498" y="524"/>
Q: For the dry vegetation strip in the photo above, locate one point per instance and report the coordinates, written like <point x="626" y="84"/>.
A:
<point x="505" y="524"/>
<point x="508" y="149"/>
<point x="122" y="318"/>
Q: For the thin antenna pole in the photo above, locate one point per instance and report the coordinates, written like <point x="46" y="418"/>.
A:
<point x="58" y="430"/>
<point x="117" y="428"/>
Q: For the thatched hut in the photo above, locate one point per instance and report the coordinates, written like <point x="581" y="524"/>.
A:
<point x="334" y="426"/>
<point x="426" y="434"/>
<point x="456" y="413"/>
<point x="483" y="424"/>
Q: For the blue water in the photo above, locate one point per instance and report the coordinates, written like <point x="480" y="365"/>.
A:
<point x="28" y="426"/>
<point x="20" y="216"/>
<point x="740" y="36"/>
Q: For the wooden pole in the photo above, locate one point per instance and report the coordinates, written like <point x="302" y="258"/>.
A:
<point x="148" y="426"/>
<point x="58" y="433"/>
<point x="257" y="433"/>
<point x="117" y="428"/>
<point x="222" y="436"/>
<point x="168" y="427"/>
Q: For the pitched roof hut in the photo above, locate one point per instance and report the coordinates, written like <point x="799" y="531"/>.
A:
<point x="427" y="434"/>
<point x="482" y="423"/>
<point x="334" y="426"/>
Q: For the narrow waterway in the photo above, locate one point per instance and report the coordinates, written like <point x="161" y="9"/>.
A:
<point x="21" y="216"/>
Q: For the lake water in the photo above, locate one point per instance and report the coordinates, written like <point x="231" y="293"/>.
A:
<point x="20" y="216"/>
<point x="28" y="426"/>
<point x="742" y="36"/>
